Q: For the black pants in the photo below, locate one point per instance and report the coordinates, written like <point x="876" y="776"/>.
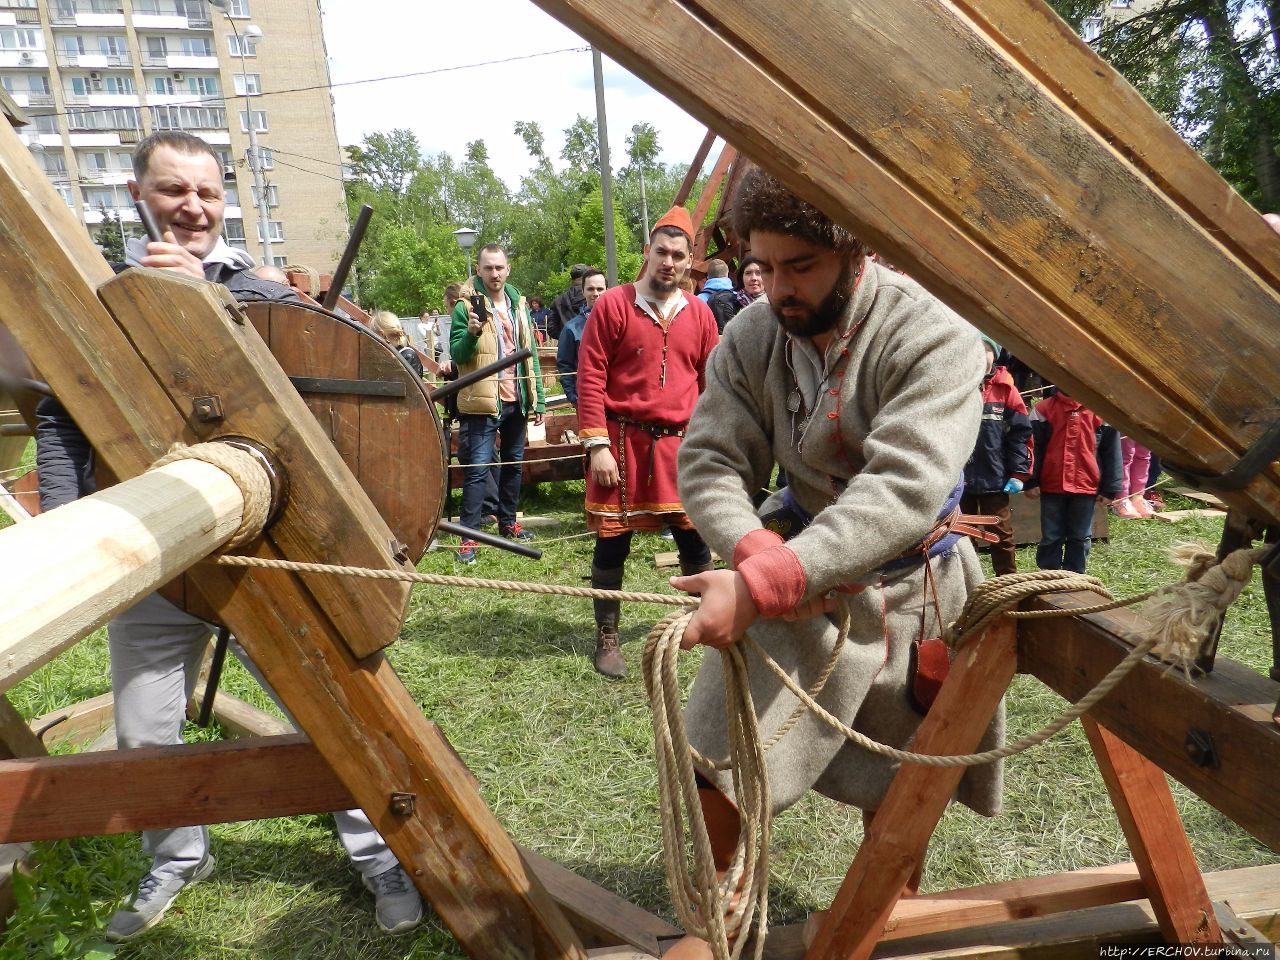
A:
<point x="612" y="552"/>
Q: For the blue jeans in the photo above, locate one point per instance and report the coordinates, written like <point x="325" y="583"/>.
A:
<point x="1066" y="531"/>
<point x="481" y="434"/>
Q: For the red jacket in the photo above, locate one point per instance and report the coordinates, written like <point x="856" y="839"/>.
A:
<point x="1076" y="452"/>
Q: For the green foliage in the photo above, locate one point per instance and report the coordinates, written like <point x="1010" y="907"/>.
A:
<point x="1211" y="68"/>
<point x="60" y="908"/>
<point x="586" y="239"/>
<point x="109" y="238"/>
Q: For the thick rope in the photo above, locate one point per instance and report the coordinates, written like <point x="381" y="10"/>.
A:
<point x="243" y="468"/>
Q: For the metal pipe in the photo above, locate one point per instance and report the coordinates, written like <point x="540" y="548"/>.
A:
<point x="488" y="539"/>
<point x="348" y="258"/>
<point x="449" y="389"/>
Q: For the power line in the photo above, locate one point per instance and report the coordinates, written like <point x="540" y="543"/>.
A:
<point x="314" y="173"/>
<point x="223" y="98"/>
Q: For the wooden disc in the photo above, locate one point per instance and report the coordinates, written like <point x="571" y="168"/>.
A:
<point x="373" y="407"/>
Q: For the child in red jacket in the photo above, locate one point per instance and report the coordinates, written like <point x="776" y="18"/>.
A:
<point x="1077" y="463"/>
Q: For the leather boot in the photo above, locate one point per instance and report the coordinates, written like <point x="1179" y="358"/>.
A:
<point x="608" y="660"/>
<point x="689" y="569"/>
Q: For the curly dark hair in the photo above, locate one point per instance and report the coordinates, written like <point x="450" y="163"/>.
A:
<point x="763" y="203"/>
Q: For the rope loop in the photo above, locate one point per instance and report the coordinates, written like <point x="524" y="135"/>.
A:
<point x="248" y="474"/>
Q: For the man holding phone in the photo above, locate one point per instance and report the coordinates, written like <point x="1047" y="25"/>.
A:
<point x="491" y="321"/>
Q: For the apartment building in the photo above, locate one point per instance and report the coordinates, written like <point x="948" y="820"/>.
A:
<point x="98" y="75"/>
<point x="1117" y="10"/>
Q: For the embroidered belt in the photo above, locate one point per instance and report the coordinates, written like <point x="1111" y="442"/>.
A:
<point x="655" y="430"/>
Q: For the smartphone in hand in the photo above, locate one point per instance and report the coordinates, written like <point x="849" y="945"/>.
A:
<point x="477" y="304"/>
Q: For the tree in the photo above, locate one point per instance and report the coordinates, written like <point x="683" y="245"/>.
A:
<point x="1210" y="67"/>
<point x="387" y="161"/>
<point x="109" y="237"/>
<point x="586" y="239"/>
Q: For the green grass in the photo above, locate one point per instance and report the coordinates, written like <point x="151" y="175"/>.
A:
<point x="564" y="758"/>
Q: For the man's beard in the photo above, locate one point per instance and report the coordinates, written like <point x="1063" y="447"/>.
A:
<point x="663" y="288"/>
<point x="827" y="314"/>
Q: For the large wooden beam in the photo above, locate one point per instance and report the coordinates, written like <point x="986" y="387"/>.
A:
<point x="1209" y="734"/>
<point x="115" y="546"/>
<point x="1003" y="164"/>
<point x="131" y="380"/>
<point x="274" y="776"/>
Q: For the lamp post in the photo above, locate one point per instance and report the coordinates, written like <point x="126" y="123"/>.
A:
<point x="644" y="200"/>
<point x="466" y="238"/>
<point x="251" y="32"/>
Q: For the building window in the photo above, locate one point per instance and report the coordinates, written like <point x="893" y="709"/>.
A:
<point x="188" y="118"/>
<point x="120" y="86"/>
<point x="277" y="230"/>
<point x="7" y="83"/>
<point x="19" y="39"/>
<point x="232" y="196"/>
<point x="238" y="8"/>
<point x="248" y="44"/>
<point x="157" y="48"/>
<point x="233" y="230"/>
<point x="45" y="123"/>
<point x="197" y="47"/>
<point x="163" y="85"/>
<point x="268" y="158"/>
<point x="93" y="162"/>
<point x="203" y="86"/>
<point x="273" y="195"/>
<point x="124" y="161"/>
<point x="248" y="84"/>
<point x="259" y="121"/>
<point x="80" y="86"/>
<point x="112" y="46"/>
<point x="1121" y="4"/>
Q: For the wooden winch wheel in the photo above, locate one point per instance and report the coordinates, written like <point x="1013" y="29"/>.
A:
<point x="374" y="408"/>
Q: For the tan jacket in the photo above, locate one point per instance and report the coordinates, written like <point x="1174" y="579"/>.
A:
<point x="472" y="353"/>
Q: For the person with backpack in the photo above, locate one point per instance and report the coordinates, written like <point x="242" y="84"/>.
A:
<point x="718" y="293"/>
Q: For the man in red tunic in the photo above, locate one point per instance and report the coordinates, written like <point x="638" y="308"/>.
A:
<point x="641" y="368"/>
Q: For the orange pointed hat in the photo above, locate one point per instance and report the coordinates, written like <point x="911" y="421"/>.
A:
<point x="679" y="218"/>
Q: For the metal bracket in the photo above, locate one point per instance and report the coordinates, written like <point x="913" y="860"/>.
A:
<point x="357" y="388"/>
<point x="403" y="804"/>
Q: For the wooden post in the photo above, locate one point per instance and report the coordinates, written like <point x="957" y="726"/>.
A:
<point x="1143" y="803"/>
<point x="918" y="795"/>
<point x="115" y="547"/>
<point x="999" y="161"/>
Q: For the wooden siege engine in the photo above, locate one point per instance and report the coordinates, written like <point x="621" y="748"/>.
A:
<point x="985" y="149"/>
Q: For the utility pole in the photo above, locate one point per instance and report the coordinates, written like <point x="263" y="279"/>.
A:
<point x="606" y="176"/>
<point x="644" y="200"/>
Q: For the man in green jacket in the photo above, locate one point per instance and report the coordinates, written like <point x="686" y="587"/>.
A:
<point x="500" y="405"/>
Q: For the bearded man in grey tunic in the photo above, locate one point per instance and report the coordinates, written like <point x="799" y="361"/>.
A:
<point x="866" y="391"/>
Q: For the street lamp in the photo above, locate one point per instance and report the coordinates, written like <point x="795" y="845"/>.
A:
<point x="466" y="238"/>
<point x="252" y="32"/>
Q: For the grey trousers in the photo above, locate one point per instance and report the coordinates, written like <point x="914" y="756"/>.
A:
<point x="156" y="651"/>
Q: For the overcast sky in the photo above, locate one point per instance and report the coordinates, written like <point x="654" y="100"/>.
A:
<point x="373" y="38"/>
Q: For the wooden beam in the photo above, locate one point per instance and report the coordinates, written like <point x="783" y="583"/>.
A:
<point x="116" y="546"/>
<point x="957" y="141"/>
<point x="917" y="797"/>
<point x="273" y="776"/>
<point x="241" y="719"/>
<point x="77" y="724"/>
<point x="691" y="175"/>
<point x="130" y="380"/>
<point x="125" y="791"/>
<point x="1253" y="892"/>
<point x="1159" y="712"/>
<point x="1143" y="803"/>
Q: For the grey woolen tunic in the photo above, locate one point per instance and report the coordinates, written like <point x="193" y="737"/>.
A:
<point x="897" y="422"/>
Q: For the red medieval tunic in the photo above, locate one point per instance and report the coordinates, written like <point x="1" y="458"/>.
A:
<point x="638" y="381"/>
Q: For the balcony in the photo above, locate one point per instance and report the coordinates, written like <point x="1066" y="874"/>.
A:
<point x="40" y="100"/>
<point x="94" y="61"/>
<point x="36" y="59"/>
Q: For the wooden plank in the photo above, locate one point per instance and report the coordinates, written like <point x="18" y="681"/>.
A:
<point x="917" y="797"/>
<point x="17" y="738"/>
<point x="116" y="546"/>
<point x="1143" y="803"/>
<point x="77" y="724"/>
<point x="124" y="791"/>
<point x="933" y="138"/>
<point x="241" y="719"/>
<point x="597" y="914"/>
<point x="300" y="631"/>
<point x="1155" y="710"/>
<point x="1196" y="495"/>
<point x="1175" y="516"/>
<point x="671" y="558"/>
<point x="10" y="110"/>
<point x="1253" y="892"/>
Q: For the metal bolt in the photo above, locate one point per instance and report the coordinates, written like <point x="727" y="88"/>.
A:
<point x="402" y="804"/>
<point x="399" y="551"/>
<point x="234" y="311"/>
<point x="1202" y="750"/>
<point x="207" y="409"/>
